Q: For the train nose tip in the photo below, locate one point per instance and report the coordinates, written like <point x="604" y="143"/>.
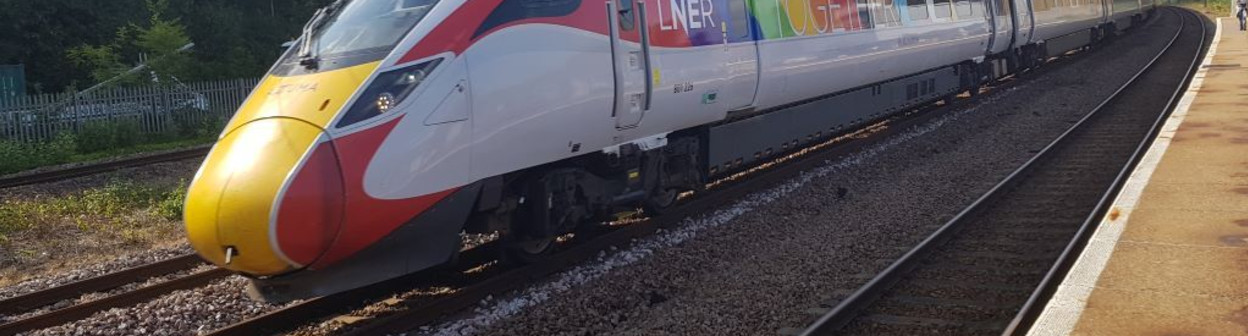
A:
<point x="268" y="199"/>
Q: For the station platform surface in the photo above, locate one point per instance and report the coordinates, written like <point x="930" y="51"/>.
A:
<point x="1171" y="255"/>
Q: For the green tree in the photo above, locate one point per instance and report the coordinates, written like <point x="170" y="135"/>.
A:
<point x="161" y="41"/>
<point x="101" y="61"/>
<point x="233" y="38"/>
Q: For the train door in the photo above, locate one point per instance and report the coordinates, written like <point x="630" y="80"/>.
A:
<point x="1025" y="23"/>
<point x="631" y="62"/>
<point x="1106" y="11"/>
<point x="1001" y="17"/>
<point x="741" y="58"/>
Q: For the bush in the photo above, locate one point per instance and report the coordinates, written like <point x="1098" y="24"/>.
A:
<point x="171" y="204"/>
<point x="99" y="139"/>
<point x="115" y="199"/>
<point x="15" y="156"/>
<point x="194" y="124"/>
<point x="101" y="136"/>
<point x="18" y="156"/>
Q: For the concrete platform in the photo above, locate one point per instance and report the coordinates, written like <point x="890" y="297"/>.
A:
<point x="1171" y="257"/>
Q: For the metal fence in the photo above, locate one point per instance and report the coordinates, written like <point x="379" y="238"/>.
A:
<point x="153" y="109"/>
<point x="12" y="82"/>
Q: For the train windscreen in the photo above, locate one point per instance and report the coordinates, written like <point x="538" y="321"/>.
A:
<point x="349" y="33"/>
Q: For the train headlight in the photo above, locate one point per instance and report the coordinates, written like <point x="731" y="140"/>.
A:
<point x="387" y="91"/>
<point x="385" y="101"/>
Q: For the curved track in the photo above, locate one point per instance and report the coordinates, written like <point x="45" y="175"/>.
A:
<point x="990" y="269"/>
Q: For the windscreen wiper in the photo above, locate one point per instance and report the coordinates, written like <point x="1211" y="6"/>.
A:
<point x="307" y="52"/>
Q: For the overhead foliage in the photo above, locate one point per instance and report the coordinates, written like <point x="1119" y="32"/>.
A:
<point x="102" y="61"/>
<point x="66" y="43"/>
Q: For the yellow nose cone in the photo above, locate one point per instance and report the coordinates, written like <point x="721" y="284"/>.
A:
<point x="231" y="203"/>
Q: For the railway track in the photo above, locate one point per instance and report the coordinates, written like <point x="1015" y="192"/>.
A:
<point x="103" y="167"/>
<point x="991" y="268"/>
<point x="24" y="304"/>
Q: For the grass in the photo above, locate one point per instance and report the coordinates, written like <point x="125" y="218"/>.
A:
<point x="45" y="234"/>
<point x="117" y="207"/>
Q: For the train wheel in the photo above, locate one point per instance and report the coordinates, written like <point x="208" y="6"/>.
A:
<point x="554" y="206"/>
<point x="676" y="172"/>
<point x="528" y="251"/>
<point x="660" y="202"/>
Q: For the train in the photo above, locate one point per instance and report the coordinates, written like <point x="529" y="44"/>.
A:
<point x="390" y="129"/>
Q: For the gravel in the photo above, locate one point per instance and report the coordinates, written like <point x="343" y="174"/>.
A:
<point x="185" y="312"/>
<point x="42" y="282"/>
<point x="88" y="297"/>
<point x="753" y="267"/>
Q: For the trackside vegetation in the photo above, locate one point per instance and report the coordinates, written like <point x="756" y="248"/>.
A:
<point x="40" y="231"/>
<point x="105" y="139"/>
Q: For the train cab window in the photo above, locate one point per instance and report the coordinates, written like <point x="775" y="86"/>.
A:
<point x="917" y="10"/>
<point x="942" y="8"/>
<point x="963" y="9"/>
<point x="1003" y="7"/>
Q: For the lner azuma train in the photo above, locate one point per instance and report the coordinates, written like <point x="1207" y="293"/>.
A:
<point x="392" y="127"/>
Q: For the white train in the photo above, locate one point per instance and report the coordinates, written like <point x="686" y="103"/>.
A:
<point x="393" y="126"/>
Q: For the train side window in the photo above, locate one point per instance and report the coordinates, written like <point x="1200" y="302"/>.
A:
<point x="627" y="15"/>
<point x="885" y="13"/>
<point x="864" y="14"/>
<point x="917" y="10"/>
<point x="963" y="8"/>
<point x="740" y="18"/>
<point x="943" y="9"/>
<point x="1003" y="7"/>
